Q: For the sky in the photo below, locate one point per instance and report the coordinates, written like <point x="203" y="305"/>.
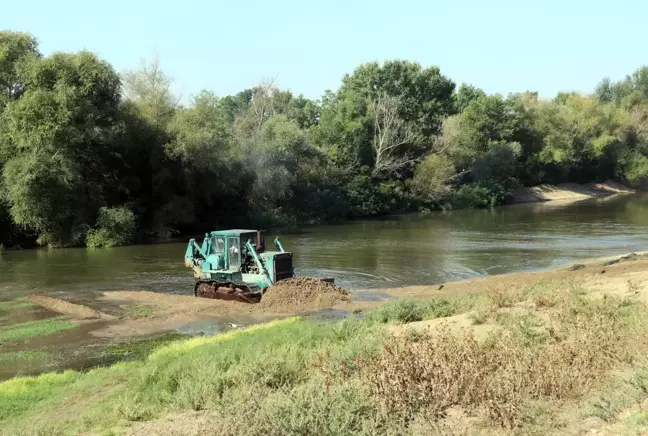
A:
<point x="500" y="46"/>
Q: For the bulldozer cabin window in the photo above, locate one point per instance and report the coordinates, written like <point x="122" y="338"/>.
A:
<point x="218" y="245"/>
<point x="234" y="253"/>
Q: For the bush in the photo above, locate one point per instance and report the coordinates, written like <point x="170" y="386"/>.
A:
<point x="517" y="364"/>
<point x="634" y="169"/>
<point x="115" y="226"/>
<point x="481" y="195"/>
<point x="403" y="311"/>
<point x="433" y="177"/>
<point x="499" y="163"/>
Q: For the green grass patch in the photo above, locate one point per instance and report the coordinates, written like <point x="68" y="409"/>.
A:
<point x="30" y="329"/>
<point x="408" y="310"/>
<point x="17" y="304"/>
<point x="136" y="311"/>
<point x="140" y="349"/>
<point x="262" y="361"/>
<point x="21" y="356"/>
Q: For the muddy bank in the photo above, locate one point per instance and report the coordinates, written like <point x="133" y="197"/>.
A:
<point x="569" y="192"/>
<point x="302" y="295"/>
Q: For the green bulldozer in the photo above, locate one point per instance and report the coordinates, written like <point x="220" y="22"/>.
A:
<point x="235" y="265"/>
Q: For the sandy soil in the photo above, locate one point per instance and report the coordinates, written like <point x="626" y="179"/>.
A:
<point x="569" y="192"/>
<point x="76" y="311"/>
<point x="612" y="275"/>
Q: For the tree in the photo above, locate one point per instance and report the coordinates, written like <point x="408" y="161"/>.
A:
<point x="426" y="96"/>
<point x="391" y="134"/>
<point x="604" y="92"/>
<point x="150" y="88"/>
<point x="485" y="120"/>
<point x="345" y="131"/>
<point x="499" y="164"/>
<point x="16" y="50"/>
<point x="259" y="109"/>
<point x="279" y="159"/>
<point x="201" y="134"/>
<point x="465" y="95"/>
<point x="58" y="145"/>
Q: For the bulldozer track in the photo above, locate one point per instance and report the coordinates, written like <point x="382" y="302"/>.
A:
<point x="226" y="291"/>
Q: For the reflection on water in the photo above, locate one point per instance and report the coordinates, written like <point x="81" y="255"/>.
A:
<point x="365" y="254"/>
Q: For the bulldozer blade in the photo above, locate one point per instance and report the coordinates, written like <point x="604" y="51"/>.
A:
<point x="226" y="291"/>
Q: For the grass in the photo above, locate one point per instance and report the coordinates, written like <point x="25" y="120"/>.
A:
<point x="408" y="310"/>
<point x="297" y="376"/>
<point x="142" y="348"/>
<point x="136" y="311"/>
<point x="17" y="304"/>
<point x="21" y="356"/>
<point x="30" y="329"/>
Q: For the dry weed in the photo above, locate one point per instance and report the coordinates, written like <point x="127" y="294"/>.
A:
<point x="445" y="369"/>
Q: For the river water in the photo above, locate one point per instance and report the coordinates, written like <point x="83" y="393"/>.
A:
<point x="368" y="254"/>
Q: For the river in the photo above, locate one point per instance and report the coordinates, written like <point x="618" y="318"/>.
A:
<point x="390" y="252"/>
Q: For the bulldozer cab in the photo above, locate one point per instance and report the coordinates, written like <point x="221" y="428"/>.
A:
<point x="231" y="247"/>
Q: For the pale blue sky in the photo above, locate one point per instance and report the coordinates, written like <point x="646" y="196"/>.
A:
<point x="226" y="46"/>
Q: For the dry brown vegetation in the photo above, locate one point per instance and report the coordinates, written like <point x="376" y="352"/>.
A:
<point x="442" y="368"/>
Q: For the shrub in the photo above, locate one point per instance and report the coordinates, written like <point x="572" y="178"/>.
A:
<point x="401" y="311"/>
<point x="517" y="364"/>
<point x="115" y="226"/>
<point x="433" y="177"/>
<point x="499" y="163"/>
<point x="481" y="195"/>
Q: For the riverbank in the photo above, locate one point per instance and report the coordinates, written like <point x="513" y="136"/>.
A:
<point x="569" y="192"/>
<point x="547" y="352"/>
<point x="148" y="312"/>
<point x="561" y="193"/>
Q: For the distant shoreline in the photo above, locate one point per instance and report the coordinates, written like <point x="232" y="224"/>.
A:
<point x="569" y="192"/>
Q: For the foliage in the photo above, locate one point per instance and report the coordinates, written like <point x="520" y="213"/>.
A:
<point x="77" y="139"/>
<point x="478" y="195"/>
<point x="434" y="177"/>
<point x="115" y="226"/>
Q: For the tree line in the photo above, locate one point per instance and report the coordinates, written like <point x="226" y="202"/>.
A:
<point x="90" y="156"/>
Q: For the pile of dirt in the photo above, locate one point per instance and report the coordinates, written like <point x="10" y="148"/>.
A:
<point x="303" y="293"/>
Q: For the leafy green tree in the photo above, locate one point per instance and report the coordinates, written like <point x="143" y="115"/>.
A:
<point x="277" y="157"/>
<point x="465" y="95"/>
<point x="426" y="95"/>
<point x="201" y="134"/>
<point x="345" y="131"/>
<point x="486" y="120"/>
<point x="17" y="49"/>
<point x="58" y="143"/>
<point x="150" y="88"/>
